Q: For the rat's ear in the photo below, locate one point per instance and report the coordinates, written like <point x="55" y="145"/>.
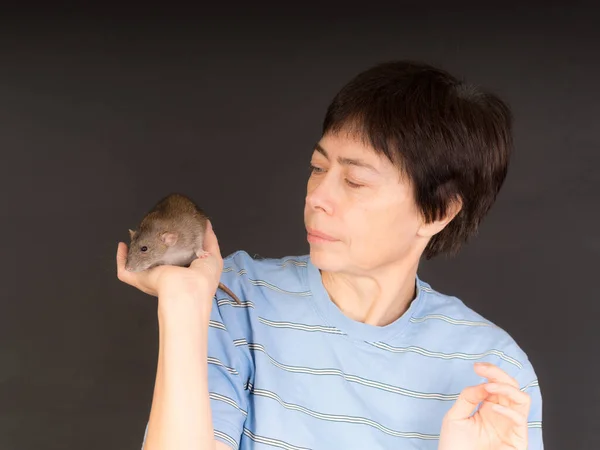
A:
<point x="132" y="233"/>
<point x="168" y="238"/>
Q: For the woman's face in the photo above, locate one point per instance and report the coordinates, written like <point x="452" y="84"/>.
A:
<point x="359" y="199"/>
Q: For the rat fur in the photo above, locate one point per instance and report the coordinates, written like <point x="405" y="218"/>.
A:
<point x="171" y="233"/>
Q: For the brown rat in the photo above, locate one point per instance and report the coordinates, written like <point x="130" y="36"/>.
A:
<point x="171" y="233"/>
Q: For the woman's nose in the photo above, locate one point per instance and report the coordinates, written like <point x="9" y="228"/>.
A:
<point x="319" y="196"/>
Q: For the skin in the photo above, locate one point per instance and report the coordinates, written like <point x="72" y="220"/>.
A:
<point x="180" y="417"/>
<point x="499" y="424"/>
<point x="369" y="273"/>
<point x="370" y="270"/>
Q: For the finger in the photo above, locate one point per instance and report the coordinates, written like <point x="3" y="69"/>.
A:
<point x="211" y="243"/>
<point x="510" y="396"/>
<point x="514" y="394"/>
<point x="466" y="402"/>
<point x="495" y="374"/>
<point x="516" y="417"/>
<point x="122" y="273"/>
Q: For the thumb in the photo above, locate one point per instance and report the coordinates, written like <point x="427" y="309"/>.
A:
<point x="467" y="401"/>
<point x="211" y="243"/>
<point x="211" y="260"/>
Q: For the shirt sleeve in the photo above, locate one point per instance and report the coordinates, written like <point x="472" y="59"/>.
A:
<point x="229" y="361"/>
<point x="528" y="382"/>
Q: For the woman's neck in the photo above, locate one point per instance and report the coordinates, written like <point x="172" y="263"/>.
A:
<point x="376" y="299"/>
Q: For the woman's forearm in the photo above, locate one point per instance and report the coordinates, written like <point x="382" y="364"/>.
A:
<point x="180" y="418"/>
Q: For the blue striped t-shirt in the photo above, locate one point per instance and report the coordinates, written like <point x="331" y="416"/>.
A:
<point x="287" y="369"/>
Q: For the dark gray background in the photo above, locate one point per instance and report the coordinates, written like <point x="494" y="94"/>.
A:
<point x="101" y="115"/>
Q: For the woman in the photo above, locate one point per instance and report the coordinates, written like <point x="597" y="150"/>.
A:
<point x="347" y="348"/>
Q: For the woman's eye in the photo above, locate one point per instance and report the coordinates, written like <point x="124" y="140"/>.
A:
<point x="144" y="248"/>
<point x="315" y="169"/>
<point x="353" y="185"/>
<point x="318" y="170"/>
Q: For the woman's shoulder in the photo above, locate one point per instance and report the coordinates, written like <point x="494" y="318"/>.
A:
<point x="243" y="257"/>
<point x="249" y="274"/>
<point x="464" y="327"/>
<point x="241" y="260"/>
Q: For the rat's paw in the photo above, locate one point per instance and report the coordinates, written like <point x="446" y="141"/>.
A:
<point x="202" y="254"/>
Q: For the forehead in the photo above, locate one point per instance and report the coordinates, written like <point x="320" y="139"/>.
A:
<point x="351" y="151"/>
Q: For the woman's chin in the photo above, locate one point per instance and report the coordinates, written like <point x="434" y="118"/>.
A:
<point x="325" y="259"/>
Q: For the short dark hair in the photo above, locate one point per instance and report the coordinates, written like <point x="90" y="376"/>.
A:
<point x="451" y="139"/>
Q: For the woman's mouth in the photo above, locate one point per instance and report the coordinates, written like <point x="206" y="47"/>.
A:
<point x="318" y="236"/>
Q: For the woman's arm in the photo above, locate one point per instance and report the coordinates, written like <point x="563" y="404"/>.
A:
<point x="180" y="417"/>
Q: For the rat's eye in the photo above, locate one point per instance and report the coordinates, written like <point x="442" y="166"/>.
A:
<point x="144" y="248"/>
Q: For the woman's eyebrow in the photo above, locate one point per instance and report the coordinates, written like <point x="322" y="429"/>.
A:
<point x="346" y="161"/>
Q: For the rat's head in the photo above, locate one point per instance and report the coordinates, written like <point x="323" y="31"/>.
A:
<point x="147" y="248"/>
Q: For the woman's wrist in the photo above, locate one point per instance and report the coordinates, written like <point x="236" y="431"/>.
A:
<point x="185" y="307"/>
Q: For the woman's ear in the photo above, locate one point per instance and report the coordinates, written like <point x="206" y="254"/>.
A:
<point x="430" y="229"/>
